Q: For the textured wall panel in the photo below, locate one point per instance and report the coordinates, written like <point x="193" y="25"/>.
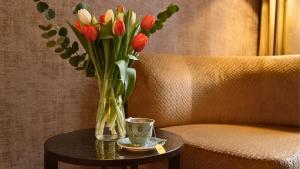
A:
<point x="41" y="95"/>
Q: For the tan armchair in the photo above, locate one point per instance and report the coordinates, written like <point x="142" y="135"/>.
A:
<point x="232" y="112"/>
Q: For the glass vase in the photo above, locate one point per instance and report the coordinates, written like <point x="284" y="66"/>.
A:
<point x="110" y="119"/>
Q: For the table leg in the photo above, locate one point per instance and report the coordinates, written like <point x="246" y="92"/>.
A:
<point x="174" y="162"/>
<point x="50" y="162"/>
<point x="134" y="166"/>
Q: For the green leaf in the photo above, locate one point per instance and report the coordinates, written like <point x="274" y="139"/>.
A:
<point x="45" y="35"/>
<point x="158" y="25"/>
<point x="65" y="55"/>
<point x="122" y="65"/>
<point x="59" y="50"/>
<point x="42" y="6"/>
<point x="89" y="69"/>
<point x="80" y="68"/>
<point x="75" y="46"/>
<point x="79" y="6"/>
<point x="70" y="51"/>
<point x="169" y="14"/>
<point x="82" y="56"/>
<point x="45" y="28"/>
<point x="75" y="60"/>
<point x="50" y="14"/>
<point x="130" y="83"/>
<point x="52" y="33"/>
<point x="60" y="40"/>
<point x="66" y="43"/>
<point x="135" y="30"/>
<point x="132" y="57"/>
<point x="51" y="43"/>
<point x="172" y="8"/>
<point x="162" y="16"/>
<point x="119" y="88"/>
<point x="107" y="37"/>
<point x="152" y="30"/>
<point x="63" y="31"/>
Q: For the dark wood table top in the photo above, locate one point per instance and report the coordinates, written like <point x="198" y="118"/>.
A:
<point x="81" y="147"/>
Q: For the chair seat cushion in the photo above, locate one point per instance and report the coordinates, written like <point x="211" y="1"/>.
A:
<point x="220" y="146"/>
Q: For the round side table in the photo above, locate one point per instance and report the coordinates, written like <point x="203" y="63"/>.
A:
<point x="81" y="148"/>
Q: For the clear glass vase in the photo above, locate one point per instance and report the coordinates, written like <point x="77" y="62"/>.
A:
<point x="110" y="119"/>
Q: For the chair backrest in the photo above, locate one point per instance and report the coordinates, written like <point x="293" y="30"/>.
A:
<point x="176" y="90"/>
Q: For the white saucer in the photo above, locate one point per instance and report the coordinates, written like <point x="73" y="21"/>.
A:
<point x="125" y="143"/>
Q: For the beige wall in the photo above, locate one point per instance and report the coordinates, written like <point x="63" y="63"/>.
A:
<point x="41" y="95"/>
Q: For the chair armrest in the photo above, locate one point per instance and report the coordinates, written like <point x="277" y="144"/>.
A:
<point x="176" y="90"/>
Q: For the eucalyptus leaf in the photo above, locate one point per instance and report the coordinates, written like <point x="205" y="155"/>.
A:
<point x="51" y="43"/>
<point x="52" y="33"/>
<point x="42" y="6"/>
<point x="89" y="68"/>
<point x="66" y="43"/>
<point x="74" y="61"/>
<point x="80" y="68"/>
<point x="70" y="51"/>
<point x="65" y="55"/>
<point x="63" y="31"/>
<point x="158" y="25"/>
<point x="75" y="46"/>
<point x="45" y="28"/>
<point x="60" y="40"/>
<point x="172" y="8"/>
<point x="82" y="57"/>
<point x="59" y="50"/>
<point x="169" y="14"/>
<point x="45" y="35"/>
<point x="79" y="6"/>
<point x="162" y="16"/>
<point x="50" y="14"/>
<point x="153" y="30"/>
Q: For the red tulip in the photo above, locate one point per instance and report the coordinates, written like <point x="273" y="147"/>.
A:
<point x="102" y="20"/>
<point x="148" y="22"/>
<point x="90" y="32"/>
<point x="139" y="42"/>
<point x="78" y="25"/>
<point x="119" y="28"/>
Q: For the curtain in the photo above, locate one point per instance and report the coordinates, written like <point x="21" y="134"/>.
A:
<point x="280" y="27"/>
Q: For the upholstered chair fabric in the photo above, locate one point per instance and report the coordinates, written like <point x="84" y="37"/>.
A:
<point x="177" y="90"/>
<point x="217" y="146"/>
<point x="257" y="98"/>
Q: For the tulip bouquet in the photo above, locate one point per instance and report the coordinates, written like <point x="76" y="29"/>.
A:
<point x="112" y="43"/>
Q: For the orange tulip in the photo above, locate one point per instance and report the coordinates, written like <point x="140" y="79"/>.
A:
<point x="90" y="32"/>
<point x="148" y="22"/>
<point x="139" y="42"/>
